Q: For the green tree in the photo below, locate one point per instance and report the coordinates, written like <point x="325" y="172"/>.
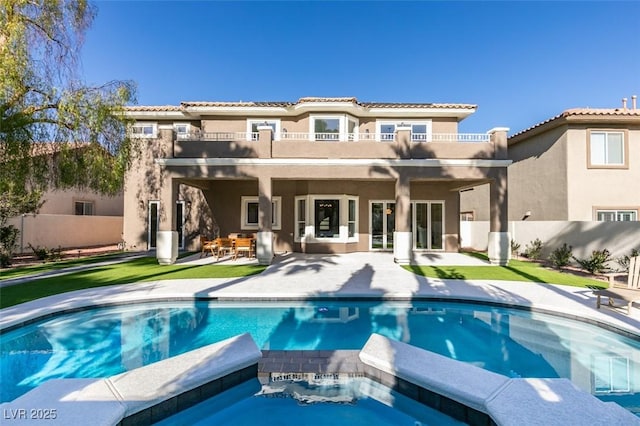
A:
<point x="55" y="131"/>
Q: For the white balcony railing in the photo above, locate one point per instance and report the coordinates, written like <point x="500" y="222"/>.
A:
<point x="334" y="137"/>
<point x="460" y="137"/>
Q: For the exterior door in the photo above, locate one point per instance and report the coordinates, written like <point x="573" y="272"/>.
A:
<point x="383" y="224"/>
<point x="428" y="225"/>
<point x="152" y="224"/>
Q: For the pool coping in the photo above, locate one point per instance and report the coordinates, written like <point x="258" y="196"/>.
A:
<point x="479" y="397"/>
<point x="141" y="396"/>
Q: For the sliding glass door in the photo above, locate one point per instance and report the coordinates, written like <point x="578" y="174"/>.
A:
<point x="383" y="224"/>
<point x="428" y="225"/>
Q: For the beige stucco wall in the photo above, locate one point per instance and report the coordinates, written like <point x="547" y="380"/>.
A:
<point x="537" y="181"/>
<point x="66" y="231"/>
<point x="591" y="188"/>
<point x="584" y="236"/>
<point x="62" y="202"/>
<point x="300" y="123"/>
<point x="538" y="177"/>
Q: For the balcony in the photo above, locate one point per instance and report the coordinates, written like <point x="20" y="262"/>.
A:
<point x="335" y="137"/>
<point x="327" y="145"/>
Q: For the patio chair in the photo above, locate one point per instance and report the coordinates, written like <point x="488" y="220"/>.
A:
<point x="224" y="246"/>
<point x="629" y="294"/>
<point x="207" y="246"/>
<point x="243" y="245"/>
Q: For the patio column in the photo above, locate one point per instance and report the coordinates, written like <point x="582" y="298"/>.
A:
<point x="265" y="137"/>
<point x="167" y="237"/>
<point x="499" y="240"/>
<point x="403" y="140"/>
<point x="402" y="237"/>
<point x="264" y="243"/>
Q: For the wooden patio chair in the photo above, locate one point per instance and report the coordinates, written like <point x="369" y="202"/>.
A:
<point x="243" y="245"/>
<point x="629" y="294"/>
<point x="224" y="246"/>
<point x="207" y="246"/>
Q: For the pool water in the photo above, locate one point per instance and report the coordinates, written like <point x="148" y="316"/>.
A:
<point x="354" y="402"/>
<point x="106" y="341"/>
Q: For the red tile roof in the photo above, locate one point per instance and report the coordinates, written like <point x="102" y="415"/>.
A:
<point x="595" y="113"/>
<point x="284" y="104"/>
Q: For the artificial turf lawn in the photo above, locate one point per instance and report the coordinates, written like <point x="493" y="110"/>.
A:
<point x="137" y="270"/>
<point x="517" y="270"/>
<point x="21" y="271"/>
<point x="147" y="269"/>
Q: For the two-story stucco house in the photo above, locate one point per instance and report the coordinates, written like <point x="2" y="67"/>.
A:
<point x="319" y="175"/>
<point x="581" y="165"/>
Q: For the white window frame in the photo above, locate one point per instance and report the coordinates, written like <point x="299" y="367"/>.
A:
<point x="142" y="125"/>
<point x="261" y="121"/>
<point x="309" y="218"/>
<point x="84" y="203"/>
<point x="343" y="127"/>
<point x="617" y="214"/>
<point x="180" y="134"/>
<point x="410" y="123"/>
<point x="606" y="162"/>
<point x="276" y="219"/>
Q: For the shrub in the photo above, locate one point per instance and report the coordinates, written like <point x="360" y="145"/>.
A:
<point x="8" y="238"/>
<point x="533" y="251"/>
<point x="515" y="246"/>
<point x="597" y="263"/>
<point x="623" y="261"/>
<point x="44" y="254"/>
<point x="561" y="256"/>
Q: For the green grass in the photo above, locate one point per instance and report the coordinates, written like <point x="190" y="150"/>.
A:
<point x="21" y="271"/>
<point x="133" y="271"/>
<point x="517" y="270"/>
<point x="147" y="269"/>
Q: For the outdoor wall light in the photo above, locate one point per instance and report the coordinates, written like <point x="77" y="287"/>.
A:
<point x="526" y="215"/>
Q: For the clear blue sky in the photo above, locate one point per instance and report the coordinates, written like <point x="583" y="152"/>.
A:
<point x="520" y="62"/>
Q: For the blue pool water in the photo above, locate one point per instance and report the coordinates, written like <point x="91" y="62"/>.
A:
<point x="105" y="341"/>
<point x="356" y="402"/>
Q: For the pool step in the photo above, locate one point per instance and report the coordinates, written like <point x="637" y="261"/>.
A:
<point x="317" y="362"/>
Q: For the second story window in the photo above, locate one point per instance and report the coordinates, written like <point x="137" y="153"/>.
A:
<point x="182" y="130"/>
<point x="326" y="129"/>
<point x="333" y="128"/>
<point x="253" y="124"/>
<point x="83" y="208"/>
<point x="606" y="148"/>
<point x="420" y="130"/>
<point x="144" y="130"/>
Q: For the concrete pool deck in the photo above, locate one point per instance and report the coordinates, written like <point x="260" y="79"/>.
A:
<point x="353" y="275"/>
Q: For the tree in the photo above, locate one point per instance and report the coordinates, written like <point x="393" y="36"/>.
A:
<point x="55" y="132"/>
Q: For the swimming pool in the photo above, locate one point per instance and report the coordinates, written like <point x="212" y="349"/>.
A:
<point x="105" y="341"/>
<point x="356" y="402"/>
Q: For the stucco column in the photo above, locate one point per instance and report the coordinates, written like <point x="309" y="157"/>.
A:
<point x="264" y="244"/>
<point x="498" y="136"/>
<point x="265" y="138"/>
<point x="167" y="238"/>
<point x="402" y="238"/>
<point x="499" y="239"/>
<point x="403" y="140"/>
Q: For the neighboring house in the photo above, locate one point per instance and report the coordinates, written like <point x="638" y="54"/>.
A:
<point x="319" y="175"/>
<point x="72" y="218"/>
<point x="581" y="165"/>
